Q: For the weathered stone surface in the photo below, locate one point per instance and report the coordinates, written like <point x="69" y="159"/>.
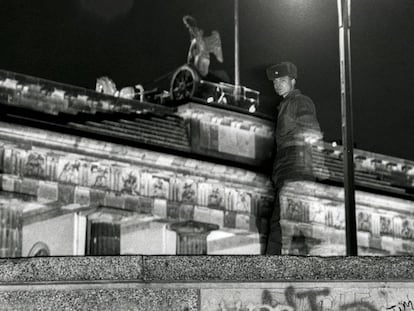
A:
<point x="218" y="283"/>
<point x="108" y="297"/>
<point x="70" y="269"/>
<point x="275" y="268"/>
<point x="205" y="268"/>
<point x="228" y="134"/>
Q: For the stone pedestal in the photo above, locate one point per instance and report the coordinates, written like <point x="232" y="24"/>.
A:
<point x="11" y="222"/>
<point x="192" y="236"/>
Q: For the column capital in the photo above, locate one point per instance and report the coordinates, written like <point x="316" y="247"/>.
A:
<point x="192" y="236"/>
<point x="189" y="227"/>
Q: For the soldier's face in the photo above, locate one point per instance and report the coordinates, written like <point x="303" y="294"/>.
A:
<point x="283" y="85"/>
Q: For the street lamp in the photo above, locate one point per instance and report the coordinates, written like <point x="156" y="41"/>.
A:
<point x="344" y="21"/>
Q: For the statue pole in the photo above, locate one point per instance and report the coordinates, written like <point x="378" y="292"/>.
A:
<point x="236" y="50"/>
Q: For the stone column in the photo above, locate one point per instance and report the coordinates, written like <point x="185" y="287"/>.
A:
<point x="192" y="236"/>
<point x="11" y="223"/>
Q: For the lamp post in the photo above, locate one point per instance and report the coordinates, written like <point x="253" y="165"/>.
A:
<point x="344" y="21"/>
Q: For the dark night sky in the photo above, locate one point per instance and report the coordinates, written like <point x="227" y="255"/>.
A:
<point x="135" y="41"/>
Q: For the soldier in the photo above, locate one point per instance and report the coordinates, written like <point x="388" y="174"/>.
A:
<point x="297" y="129"/>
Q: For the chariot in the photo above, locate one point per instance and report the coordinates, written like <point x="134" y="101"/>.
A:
<point x="187" y="83"/>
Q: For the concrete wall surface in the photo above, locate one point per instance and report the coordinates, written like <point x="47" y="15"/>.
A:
<point x="219" y="283"/>
<point x="57" y="234"/>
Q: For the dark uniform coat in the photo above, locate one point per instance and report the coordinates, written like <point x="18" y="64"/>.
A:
<point x="296" y="129"/>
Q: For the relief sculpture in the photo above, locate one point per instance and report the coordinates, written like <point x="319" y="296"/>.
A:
<point x="130" y="184"/>
<point x="159" y="187"/>
<point x="364" y="222"/>
<point x="35" y="165"/>
<point x="216" y="197"/>
<point x="386" y="226"/>
<point x="99" y="176"/>
<point x="243" y="202"/>
<point x="189" y="192"/>
<point x="70" y="172"/>
<point x="297" y="210"/>
<point x="407" y="230"/>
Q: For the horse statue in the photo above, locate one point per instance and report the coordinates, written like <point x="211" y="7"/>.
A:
<point x="107" y="86"/>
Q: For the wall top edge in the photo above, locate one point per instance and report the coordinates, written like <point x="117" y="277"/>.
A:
<point x="205" y="269"/>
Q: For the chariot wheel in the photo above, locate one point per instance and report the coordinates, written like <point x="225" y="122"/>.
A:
<point x="184" y="83"/>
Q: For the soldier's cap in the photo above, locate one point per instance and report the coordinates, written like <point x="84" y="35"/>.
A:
<point x="281" y="70"/>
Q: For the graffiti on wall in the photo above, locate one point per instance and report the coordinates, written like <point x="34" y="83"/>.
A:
<point x="349" y="296"/>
